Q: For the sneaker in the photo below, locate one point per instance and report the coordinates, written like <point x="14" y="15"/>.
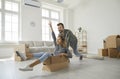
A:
<point x="28" y="68"/>
<point x="22" y="55"/>
<point x="81" y="57"/>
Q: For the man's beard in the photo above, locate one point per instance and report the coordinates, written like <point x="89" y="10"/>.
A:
<point x="60" y="31"/>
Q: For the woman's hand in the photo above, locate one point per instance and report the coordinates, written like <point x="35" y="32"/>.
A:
<point x="50" y="24"/>
<point x="63" y="54"/>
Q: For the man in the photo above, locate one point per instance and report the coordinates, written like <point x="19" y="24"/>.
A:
<point x="70" y="38"/>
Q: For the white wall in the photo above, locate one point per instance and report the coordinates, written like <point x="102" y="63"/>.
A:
<point x="6" y="53"/>
<point x="100" y="17"/>
<point x="68" y="18"/>
<point x="30" y="14"/>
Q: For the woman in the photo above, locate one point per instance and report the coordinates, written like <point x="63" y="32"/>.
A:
<point x="60" y="49"/>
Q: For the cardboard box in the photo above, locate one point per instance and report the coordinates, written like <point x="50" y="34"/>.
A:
<point x="17" y="58"/>
<point x="112" y="52"/>
<point x="55" y="59"/>
<point x="55" y="67"/>
<point x="118" y="56"/>
<point x="103" y="52"/>
<point x="55" y="63"/>
<point x="104" y="44"/>
<point x="112" y="41"/>
<point x="21" y="48"/>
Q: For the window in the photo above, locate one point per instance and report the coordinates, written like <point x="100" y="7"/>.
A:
<point x="11" y="6"/>
<point x="53" y="15"/>
<point x="9" y="20"/>
<point x="11" y="27"/>
<point x="0" y="26"/>
<point x="0" y="4"/>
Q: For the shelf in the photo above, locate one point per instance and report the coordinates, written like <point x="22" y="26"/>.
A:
<point x="82" y="41"/>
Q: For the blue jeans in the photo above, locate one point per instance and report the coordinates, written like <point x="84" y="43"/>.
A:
<point x="73" y="44"/>
<point x="75" y="50"/>
<point x="42" y="56"/>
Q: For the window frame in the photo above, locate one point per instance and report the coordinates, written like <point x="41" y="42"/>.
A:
<point x="3" y="12"/>
<point x="52" y="8"/>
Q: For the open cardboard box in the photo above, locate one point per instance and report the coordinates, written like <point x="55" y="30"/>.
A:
<point x="23" y="48"/>
<point x="112" y="41"/>
<point x="55" y="63"/>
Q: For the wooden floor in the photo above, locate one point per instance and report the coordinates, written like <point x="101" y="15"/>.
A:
<point x="108" y="68"/>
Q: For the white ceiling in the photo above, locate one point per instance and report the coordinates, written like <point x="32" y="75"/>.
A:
<point x="68" y="3"/>
<point x="71" y="3"/>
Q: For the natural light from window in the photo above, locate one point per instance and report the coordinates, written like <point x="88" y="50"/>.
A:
<point x="0" y="3"/>
<point x="11" y="27"/>
<point x="54" y="15"/>
<point x="0" y="26"/>
<point x="11" y="6"/>
<point x="9" y="20"/>
<point x="49" y="15"/>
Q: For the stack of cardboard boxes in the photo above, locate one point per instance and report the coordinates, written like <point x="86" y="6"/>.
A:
<point x="111" y="46"/>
